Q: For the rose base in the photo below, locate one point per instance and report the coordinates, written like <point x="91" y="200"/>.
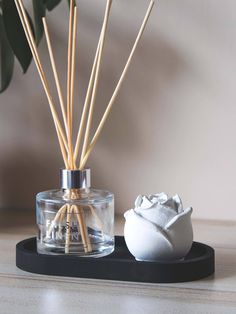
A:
<point x="120" y="265"/>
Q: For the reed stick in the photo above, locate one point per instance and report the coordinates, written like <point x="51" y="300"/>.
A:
<point x="29" y="36"/>
<point x="62" y="147"/>
<point x="96" y="80"/>
<point x="73" y="62"/>
<point x="86" y="103"/>
<point x="117" y="89"/>
<point x="69" y="56"/>
<point x="56" y="219"/>
<point x="83" y="229"/>
<point x="68" y="228"/>
<point x="33" y="47"/>
<point x="55" y="72"/>
<point x="63" y="211"/>
<point x="89" y="92"/>
<point x="69" y="64"/>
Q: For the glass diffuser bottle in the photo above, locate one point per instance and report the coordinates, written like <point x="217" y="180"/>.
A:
<point x="75" y="219"/>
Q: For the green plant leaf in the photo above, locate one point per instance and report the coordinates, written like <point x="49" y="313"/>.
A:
<point x="12" y="37"/>
<point x="15" y="33"/>
<point x="6" y="58"/>
<point x="39" y="12"/>
<point x="51" y="4"/>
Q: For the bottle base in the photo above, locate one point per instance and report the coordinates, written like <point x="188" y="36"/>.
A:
<point x="100" y="249"/>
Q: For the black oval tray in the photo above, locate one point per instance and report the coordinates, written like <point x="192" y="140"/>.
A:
<point x="120" y="265"/>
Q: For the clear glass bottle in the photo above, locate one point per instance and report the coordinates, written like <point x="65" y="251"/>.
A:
<point x="75" y="219"/>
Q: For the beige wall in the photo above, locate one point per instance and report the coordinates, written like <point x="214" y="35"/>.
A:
<point x="173" y="126"/>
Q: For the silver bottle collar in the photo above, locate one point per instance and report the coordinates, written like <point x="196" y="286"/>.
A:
<point x="75" y="179"/>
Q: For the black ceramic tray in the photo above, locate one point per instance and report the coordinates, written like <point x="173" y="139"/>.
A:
<point x="120" y="265"/>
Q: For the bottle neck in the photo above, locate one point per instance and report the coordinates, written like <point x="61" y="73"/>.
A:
<point x="75" y="179"/>
<point x="75" y="194"/>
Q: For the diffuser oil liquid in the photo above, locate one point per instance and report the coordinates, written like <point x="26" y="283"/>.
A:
<point x="75" y="221"/>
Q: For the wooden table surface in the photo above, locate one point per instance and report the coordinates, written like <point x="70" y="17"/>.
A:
<point x="23" y="293"/>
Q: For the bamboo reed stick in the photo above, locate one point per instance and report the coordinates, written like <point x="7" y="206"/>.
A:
<point x="56" y="219"/>
<point x="73" y="61"/>
<point x="86" y="103"/>
<point x="83" y="229"/>
<point x="63" y="210"/>
<point x="69" y="57"/>
<point x="62" y="147"/>
<point x="68" y="228"/>
<point x="28" y="33"/>
<point x="32" y="44"/>
<point x="96" y="80"/>
<point x="117" y="89"/>
<point x="55" y="72"/>
<point x="69" y="64"/>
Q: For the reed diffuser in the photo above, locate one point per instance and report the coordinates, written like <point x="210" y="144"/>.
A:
<point x="76" y="219"/>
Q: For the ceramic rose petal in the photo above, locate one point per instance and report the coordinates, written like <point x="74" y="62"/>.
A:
<point x="158" y="228"/>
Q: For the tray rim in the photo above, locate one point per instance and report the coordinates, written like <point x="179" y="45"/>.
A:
<point x="194" y="267"/>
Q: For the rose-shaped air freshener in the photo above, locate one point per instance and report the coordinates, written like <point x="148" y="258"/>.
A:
<point x="158" y="228"/>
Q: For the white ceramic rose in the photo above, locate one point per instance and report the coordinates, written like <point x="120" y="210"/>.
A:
<point x="158" y="228"/>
